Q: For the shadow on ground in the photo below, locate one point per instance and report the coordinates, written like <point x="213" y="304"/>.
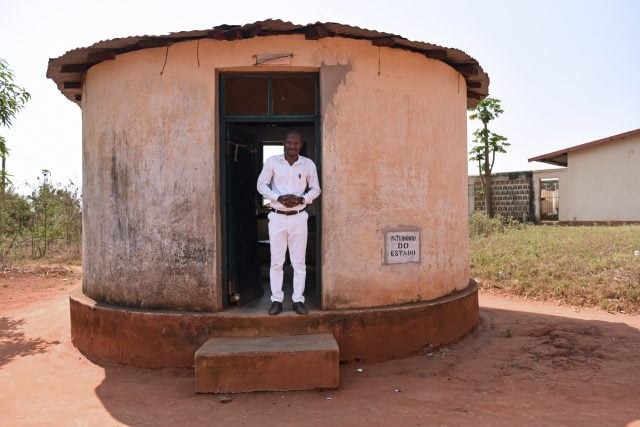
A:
<point x="14" y="343"/>
<point x="514" y="368"/>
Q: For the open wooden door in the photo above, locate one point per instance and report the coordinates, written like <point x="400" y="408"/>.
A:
<point x="243" y="264"/>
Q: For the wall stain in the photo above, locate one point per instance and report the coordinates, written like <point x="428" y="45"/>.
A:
<point x="119" y="186"/>
<point x="332" y="76"/>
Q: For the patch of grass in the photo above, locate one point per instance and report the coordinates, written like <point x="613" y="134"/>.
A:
<point x="482" y="225"/>
<point x="507" y="333"/>
<point x="66" y="271"/>
<point x="18" y="259"/>
<point x="587" y="266"/>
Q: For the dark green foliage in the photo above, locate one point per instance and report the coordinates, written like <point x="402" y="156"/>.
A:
<point x="48" y="221"/>
<point x="486" y="144"/>
<point x="12" y="100"/>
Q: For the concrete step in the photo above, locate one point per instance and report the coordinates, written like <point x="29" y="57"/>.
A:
<point x="293" y="362"/>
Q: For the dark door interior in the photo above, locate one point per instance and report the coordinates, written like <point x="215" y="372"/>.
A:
<point x="256" y="112"/>
<point x="243" y="272"/>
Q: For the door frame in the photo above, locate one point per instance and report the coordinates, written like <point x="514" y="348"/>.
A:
<point x="224" y="121"/>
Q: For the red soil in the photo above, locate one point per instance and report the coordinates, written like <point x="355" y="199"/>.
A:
<point x="527" y="363"/>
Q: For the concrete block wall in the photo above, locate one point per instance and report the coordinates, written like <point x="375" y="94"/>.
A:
<point x="513" y="195"/>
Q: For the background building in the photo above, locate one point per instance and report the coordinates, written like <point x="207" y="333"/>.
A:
<point x="601" y="182"/>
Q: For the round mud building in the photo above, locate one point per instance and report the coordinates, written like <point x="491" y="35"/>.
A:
<point x="175" y="131"/>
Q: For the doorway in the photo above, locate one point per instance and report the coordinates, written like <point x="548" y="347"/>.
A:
<point x="256" y="112"/>
<point x="549" y="199"/>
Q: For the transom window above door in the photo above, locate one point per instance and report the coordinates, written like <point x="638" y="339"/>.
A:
<point x="281" y="95"/>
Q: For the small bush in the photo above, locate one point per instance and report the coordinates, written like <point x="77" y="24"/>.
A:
<point x="480" y="224"/>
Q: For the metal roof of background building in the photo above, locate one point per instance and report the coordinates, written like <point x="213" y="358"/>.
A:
<point x="69" y="69"/>
<point x="560" y="157"/>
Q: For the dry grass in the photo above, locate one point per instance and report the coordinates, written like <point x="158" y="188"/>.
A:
<point x="587" y="266"/>
<point x="43" y="269"/>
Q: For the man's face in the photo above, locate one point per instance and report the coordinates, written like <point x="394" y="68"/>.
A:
<point x="292" y="145"/>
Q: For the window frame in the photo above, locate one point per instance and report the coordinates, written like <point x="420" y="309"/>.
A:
<point x="270" y="78"/>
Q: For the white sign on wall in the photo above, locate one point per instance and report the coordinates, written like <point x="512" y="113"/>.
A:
<point x="402" y="246"/>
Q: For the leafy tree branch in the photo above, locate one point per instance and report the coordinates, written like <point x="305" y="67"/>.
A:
<point x="12" y="99"/>
<point x="486" y="144"/>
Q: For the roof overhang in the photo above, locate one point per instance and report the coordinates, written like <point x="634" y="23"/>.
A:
<point x="560" y="157"/>
<point x="69" y="69"/>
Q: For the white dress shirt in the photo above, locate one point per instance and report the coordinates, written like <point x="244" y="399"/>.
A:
<point x="278" y="178"/>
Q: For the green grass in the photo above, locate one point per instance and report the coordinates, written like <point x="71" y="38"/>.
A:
<point x="587" y="266"/>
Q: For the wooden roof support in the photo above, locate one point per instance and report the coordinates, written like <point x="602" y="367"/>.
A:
<point x="438" y="54"/>
<point x="384" y="41"/>
<point x="215" y="35"/>
<point x="466" y="70"/>
<point x="475" y="95"/>
<point x="316" y="32"/>
<point x="251" y="31"/>
<point x="234" y="34"/>
<point x="72" y="85"/>
<point x="76" y="68"/>
<point x="147" y="43"/>
<point x="101" y="55"/>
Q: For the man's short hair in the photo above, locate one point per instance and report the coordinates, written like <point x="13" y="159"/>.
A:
<point x="292" y="132"/>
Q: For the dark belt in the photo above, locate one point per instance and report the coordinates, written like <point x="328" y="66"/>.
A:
<point x="287" y="212"/>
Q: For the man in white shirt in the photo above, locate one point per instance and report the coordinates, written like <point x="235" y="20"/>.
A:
<point x="284" y="180"/>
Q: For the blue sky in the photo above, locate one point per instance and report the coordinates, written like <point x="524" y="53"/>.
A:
<point x="567" y="72"/>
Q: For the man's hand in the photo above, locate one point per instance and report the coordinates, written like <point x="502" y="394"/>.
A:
<point x="290" y="200"/>
<point x="286" y="200"/>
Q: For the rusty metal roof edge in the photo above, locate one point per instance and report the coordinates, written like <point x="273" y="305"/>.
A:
<point x="477" y="79"/>
<point x="548" y="158"/>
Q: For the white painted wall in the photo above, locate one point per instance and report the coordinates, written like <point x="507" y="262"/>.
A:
<point x="602" y="183"/>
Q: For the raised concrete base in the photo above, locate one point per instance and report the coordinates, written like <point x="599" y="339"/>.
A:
<point x="158" y="338"/>
<point x="298" y="362"/>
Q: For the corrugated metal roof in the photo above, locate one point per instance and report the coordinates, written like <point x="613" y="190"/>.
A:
<point x="560" y="157"/>
<point x="68" y="70"/>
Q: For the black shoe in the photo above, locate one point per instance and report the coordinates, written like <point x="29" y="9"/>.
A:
<point x="276" y="308"/>
<point x="299" y="308"/>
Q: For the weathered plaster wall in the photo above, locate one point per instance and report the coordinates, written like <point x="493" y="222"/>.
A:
<point x="394" y="153"/>
<point x="601" y="183"/>
<point x="149" y="182"/>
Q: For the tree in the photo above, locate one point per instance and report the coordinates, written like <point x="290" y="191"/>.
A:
<point x="70" y="220"/>
<point x="12" y="100"/>
<point x="15" y="219"/>
<point x="45" y="222"/>
<point x="486" y="144"/>
<point x="46" y="212"/>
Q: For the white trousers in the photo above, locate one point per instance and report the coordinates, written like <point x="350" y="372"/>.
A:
<point x="288" y="231"/>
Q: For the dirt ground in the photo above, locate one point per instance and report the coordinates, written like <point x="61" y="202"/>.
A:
<point x="527" y="363"/>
